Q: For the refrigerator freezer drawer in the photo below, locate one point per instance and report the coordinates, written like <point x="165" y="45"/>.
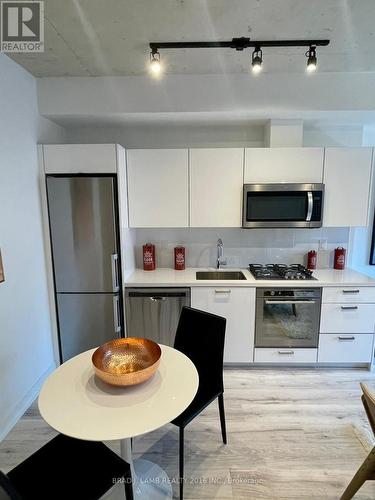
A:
<point x="87" y="321"/>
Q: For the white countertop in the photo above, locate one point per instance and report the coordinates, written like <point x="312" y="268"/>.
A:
<point x="169" y="277"/>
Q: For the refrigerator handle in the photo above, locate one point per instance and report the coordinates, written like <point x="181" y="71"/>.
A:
<point x="114" y="264"/>
<point x="116" y="314"/>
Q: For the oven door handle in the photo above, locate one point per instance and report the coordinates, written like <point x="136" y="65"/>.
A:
<point x="290" y="301"/>
<point x="310" y="205"/>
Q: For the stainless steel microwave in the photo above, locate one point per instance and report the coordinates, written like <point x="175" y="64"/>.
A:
<point x="282" y="205"/>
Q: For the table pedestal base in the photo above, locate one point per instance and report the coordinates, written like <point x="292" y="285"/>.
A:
<point x="149" y="480"/>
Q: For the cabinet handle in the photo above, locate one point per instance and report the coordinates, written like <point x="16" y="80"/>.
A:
<point x="349" y="308"/>
<point x="223" y="291"/>
<point x="285" y="352"/>
<point x="116" y="315"/>
<point x="114" y="267"/>
<point x="350" y="291"/>
<point x="289" y="302"/>
<point x="346" y="338"/>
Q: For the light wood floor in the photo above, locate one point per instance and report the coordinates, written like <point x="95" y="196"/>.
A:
<point x="292" y="434"/>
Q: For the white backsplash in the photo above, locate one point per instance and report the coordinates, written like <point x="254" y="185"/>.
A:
<point x="241" y="246"/>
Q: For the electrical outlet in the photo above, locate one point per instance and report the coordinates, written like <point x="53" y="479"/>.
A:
<point x="323" y="244"/>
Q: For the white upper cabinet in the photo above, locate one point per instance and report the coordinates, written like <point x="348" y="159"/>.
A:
<point x="216" y="182"/>
<point x="80" y="158"/>
<point x="273" y="165"/>
<point x="158" y="187"/>
<point x="347" y="176"/>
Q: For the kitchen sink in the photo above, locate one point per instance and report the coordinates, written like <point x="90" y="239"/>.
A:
<point x="220" y="275"/>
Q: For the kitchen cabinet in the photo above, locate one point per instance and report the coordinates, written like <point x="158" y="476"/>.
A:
<point x="216" y="181"/>
<point x="344" y="294"/>
<point x="281" y="356"/>
<point x="274" y="165"/>
<point x="80" y="158"/>
<point x="158" y="187"/>
<point x="344" y="348"/>
<point x="347" y="318"/>
<point x="237" y="305"/>
<point x="347" y="325"/>
<point x="347" y="177"/>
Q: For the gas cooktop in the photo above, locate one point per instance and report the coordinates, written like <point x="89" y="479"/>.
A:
<point x="280" y="272"/>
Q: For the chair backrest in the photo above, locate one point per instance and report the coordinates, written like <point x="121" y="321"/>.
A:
<point x="368" y="399"/>
<point x="7" y="491"/>
<point x="200" y="336"/>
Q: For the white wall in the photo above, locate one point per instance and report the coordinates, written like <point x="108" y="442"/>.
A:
<point x="175" y="135"/>
<point x="287" y="95"/>
<point x="25" y="329"/>
<point x="332" y="135"/>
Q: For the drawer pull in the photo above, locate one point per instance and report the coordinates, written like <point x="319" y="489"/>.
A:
<point x="223" y="291"/>
<point x="289" y="302"/>
<point x="349" y="308"/>
<point x="285" y="352"/>
<point x="346" y="338"/>
<point x="350" y="291"/>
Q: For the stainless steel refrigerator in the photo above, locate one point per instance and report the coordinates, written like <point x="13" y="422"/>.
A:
<point x="83" y="217"/>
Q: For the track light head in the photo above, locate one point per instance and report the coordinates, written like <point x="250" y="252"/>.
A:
<point x="155" y="64"/>
<point x="311" y="59"/>
<point x="256" y="60"/>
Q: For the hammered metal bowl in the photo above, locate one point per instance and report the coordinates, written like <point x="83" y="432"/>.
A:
<point x="127" y="361"/>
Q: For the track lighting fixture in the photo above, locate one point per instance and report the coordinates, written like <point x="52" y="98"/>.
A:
<point x="155" y="64"/>
<point x="311" y="59"/>
<point x="256" y="60"/>
<point x="239" y="44"/>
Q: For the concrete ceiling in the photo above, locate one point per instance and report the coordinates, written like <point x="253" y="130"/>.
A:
<point x="110" y="37"/>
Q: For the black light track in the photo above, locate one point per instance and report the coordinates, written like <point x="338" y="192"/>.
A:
<point x="237" y="44"/>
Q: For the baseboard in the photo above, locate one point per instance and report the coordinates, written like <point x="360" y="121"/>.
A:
<point x="277" y="366"/>
<point x="19" y="409"/>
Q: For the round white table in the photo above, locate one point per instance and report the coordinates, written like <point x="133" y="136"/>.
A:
<point x="75" y="402"/>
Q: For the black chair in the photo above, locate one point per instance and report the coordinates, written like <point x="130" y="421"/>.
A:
<point x="200" y="336"/>
<point x="66" y="468"/>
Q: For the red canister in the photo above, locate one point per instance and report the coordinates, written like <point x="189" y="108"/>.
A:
<point x="149" y="263"/>
<point x="179" y="258"/>
<point x="339" y="258"/>
<point x="311" y="259"/>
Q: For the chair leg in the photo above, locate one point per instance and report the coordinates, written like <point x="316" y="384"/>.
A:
<point x="366" y="471"/>
<point x="222" y="418"/>
<point x="181" y="463"/>
<point x="128" y="484"/>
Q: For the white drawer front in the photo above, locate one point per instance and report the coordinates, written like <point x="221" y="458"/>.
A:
<point x="347" y="318"/>
<point x="265" y="355"/>
<point x="349" y="294"/>
<point x="344" y="348"/>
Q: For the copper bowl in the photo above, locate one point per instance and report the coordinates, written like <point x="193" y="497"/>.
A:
<point x="127" y="361"/>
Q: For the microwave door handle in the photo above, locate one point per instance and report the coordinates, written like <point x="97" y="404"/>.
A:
<point x="310" y="204"/>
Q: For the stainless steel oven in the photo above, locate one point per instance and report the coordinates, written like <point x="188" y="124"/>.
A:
<point x="282" y="205"/>
<point x="287" y="317"/>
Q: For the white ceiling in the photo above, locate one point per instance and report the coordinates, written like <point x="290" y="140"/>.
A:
<point x="110" y="37"/>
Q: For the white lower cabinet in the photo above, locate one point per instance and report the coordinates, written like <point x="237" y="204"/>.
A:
<point x="344" y="294"/>
<point x="347" y="325"/>
<point x="347" y="318"/>
<point x="237" y="305"/>
<point x="345" y="348"/>
<point x="267" y="355"/>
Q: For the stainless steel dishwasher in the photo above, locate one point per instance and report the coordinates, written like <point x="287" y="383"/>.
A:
<point x="153" y="313"/>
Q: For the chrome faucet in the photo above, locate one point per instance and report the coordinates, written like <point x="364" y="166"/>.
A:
<point x="220" y="252"/>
